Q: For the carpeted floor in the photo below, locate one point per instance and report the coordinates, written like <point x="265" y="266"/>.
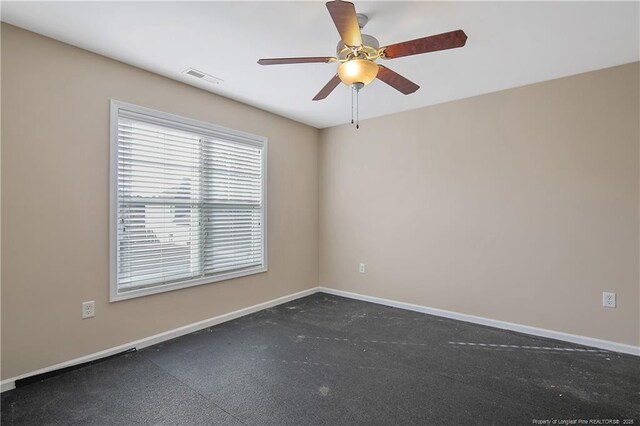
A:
<point x="329" y="360"/>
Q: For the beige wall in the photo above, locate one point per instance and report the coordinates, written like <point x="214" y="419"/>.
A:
<point x="55" y="181"/>
<point x="520" y="205"/>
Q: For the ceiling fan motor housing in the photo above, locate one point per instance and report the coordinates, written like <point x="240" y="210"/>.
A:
<point x="370" y="46"/>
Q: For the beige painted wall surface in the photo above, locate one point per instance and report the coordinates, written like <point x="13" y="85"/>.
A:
<point x="55" y="205"/>
<point x="520" y="205"/>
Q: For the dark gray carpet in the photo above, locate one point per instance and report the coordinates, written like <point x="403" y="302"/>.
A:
<point x="329" y="360"/>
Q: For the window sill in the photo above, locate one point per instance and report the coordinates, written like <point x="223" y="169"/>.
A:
<point x="131" y="294"/>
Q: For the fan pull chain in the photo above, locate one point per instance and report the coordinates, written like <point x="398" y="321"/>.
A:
<point x="352" y="89"/>
<point x="357" y="109"/>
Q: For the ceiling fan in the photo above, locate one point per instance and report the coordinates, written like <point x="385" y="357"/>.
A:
<point x="358" y="52"/>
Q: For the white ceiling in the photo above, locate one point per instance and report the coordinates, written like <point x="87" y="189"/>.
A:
<point x="510" y="44"/>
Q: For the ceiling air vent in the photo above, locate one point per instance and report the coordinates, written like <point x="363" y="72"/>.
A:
<point x="202" y="76"/>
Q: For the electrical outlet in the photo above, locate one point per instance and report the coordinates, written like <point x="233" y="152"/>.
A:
<point x="608" y="300"/>
<point x="362" y="268"/>
<point x="88" y="309"/>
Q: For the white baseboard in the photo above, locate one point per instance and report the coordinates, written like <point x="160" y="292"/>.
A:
<point x="9" y="384"/>
<point x="541" y="332"/>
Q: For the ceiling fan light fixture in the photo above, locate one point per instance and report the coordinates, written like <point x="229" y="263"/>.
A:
<point x="357" y="53"/>
<point x="358" y="71"/>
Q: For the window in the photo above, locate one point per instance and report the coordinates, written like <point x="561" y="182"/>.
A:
<point x="187" y="202"/>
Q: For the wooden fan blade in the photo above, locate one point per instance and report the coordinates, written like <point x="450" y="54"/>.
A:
<point x="328" y="88"/>
<point x="396" y="81"/>
<point x="432" y="43"/>
<point x="344" y="16"/>
<point x="308" y="60"/>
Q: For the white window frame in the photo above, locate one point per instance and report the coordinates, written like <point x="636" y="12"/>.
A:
<point x="200" y="127"/>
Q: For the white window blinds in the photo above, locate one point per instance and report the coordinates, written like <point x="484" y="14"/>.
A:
<point x="189" y="205"/>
